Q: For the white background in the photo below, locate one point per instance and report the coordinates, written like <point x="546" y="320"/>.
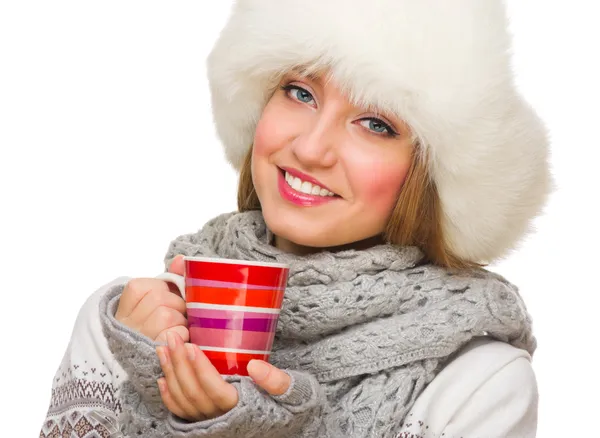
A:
<point x="108" y="153"/>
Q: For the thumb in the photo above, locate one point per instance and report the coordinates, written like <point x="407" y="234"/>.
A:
<point x="177" y="266"/>
<point x="181" y="330"/>
<point x="269" y="378"/>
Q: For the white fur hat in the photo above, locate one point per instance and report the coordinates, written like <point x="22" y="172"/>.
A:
<point x="443" y="66"/>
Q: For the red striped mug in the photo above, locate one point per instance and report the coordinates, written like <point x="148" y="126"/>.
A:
<point x="232" y="308"/>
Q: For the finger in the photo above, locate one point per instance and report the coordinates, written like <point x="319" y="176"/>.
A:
<point x="135" y="291"/>
<point x="169" y="401"/>
<point x="223" y="394"/>
<point x="177" y="265"/>
<point x="160" y="297"/>
<point x="186" y="377"/>
<point x="181" y="330"/>
<point x="175" y="390"/>
<point x="161" y="320"/>
<point x="268" y="377"/>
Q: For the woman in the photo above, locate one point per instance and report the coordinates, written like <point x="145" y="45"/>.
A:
<point x="385" y="155"/>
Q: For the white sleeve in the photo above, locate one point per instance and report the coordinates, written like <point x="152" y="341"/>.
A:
<point x="488" y="391"/>
<point x="85" y="388"/>
<point x="504" y="406"/>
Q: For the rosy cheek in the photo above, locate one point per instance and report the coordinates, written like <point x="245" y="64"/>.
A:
<point x="380" y="189"/>
<point x="261" y="139"/>
<point x="273" y="130"/>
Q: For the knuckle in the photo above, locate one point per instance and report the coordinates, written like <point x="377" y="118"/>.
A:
<point x="167" y="299"/>
<point x="134" y="284"/>
<point x="156" y="298"/>
<point x="180" y="302"/>
<point x="192" y="396"/>
<point x="136" y="287"/>
<point x="166" y="316"/>
<point x="223" y="400"/>
<point x="197" y="402"/>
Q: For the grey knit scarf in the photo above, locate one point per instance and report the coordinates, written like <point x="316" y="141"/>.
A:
<point x="361" y="333"/>
<point x="353" y="314"/>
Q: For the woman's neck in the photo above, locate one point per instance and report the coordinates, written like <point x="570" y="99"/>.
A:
<point x="286" y="245"/>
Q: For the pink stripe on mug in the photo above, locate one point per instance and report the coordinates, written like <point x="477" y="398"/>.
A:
<point x="235" y="339"/>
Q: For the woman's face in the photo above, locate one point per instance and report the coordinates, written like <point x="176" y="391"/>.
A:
<point x="327" y="173"/>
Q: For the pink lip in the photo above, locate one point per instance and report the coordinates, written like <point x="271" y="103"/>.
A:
<point x="299" y="198"/>
<point x="305" y="177"/>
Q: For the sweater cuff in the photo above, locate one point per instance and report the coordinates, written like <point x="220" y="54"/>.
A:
<point x="259" y="414"/>
<point x="304" y="392"/>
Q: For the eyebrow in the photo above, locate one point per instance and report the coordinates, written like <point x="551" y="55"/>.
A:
<point x="316" y="77"/>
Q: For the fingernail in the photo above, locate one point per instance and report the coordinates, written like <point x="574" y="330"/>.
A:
<point x="191" y="351"/>
<point x="171" y="341"/>
<point x="260" y="369"/>
<point x="161" y="384"/>
<point x="162" y="356"/>
<point x="178" y="256"/>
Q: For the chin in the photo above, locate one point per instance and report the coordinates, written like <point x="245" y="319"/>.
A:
<point x="311" y="235"/>
<point x="309" y="241"/>
<point x="299" y="233"/>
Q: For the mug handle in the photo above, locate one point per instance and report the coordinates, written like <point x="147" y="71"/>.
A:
<point x="177" y="280"/>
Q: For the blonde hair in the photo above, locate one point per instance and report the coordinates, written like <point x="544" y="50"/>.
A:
<point x="417" y="217"/>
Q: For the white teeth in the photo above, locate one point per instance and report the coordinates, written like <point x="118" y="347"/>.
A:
<point x="306" y="187"/>
<point x="296" y="183"/>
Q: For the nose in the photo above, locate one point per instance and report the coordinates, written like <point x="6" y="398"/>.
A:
<point x="315" y="146"/>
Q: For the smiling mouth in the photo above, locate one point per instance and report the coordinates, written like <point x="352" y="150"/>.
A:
<point x="306" y="187"/>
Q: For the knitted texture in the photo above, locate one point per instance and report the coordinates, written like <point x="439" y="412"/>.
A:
<point x="364" y="331"/>
<point x="298" y="410"/>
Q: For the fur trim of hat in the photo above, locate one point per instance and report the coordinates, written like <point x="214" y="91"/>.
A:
<point x="443" y="66"/>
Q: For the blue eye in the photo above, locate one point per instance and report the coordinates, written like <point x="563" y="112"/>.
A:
<point x="300" y="94"/>
<point x="378" y="126"/>
<point x="374" y="124"/>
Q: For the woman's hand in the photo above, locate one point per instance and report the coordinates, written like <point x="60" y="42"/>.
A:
<point x="194" y="390"/>
<point x="153" y="307"/>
